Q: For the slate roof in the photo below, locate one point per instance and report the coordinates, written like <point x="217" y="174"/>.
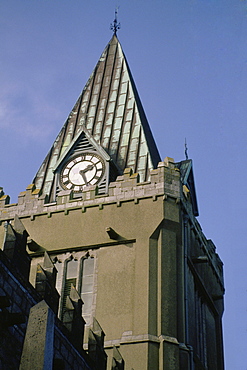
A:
<point x="110" y="109"/>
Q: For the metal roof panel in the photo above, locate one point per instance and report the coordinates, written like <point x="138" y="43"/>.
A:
<point x="109" y="108"/>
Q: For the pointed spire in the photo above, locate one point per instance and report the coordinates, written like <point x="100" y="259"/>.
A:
<point x="109" y="108"/>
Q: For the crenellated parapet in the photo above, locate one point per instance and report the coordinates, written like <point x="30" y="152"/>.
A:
<point x="31" y="198"/>
<point x="164" y="181"/>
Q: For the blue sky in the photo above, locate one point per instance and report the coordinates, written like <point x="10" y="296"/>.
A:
<point x="189" y="62"/>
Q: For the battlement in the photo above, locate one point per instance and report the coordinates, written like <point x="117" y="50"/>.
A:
<point x="164" y="181"/>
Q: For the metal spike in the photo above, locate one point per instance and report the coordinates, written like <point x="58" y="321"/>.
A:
<point x="186" y="150"/>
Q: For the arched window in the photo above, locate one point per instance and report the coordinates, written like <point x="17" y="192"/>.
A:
<point x="77" y="270"/>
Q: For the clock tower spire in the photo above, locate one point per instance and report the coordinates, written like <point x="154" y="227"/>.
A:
<point x="109" y="110"/>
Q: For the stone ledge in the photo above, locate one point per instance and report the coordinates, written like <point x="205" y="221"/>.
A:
<point x="82" y="205"/>
<point x="130" y="339"/>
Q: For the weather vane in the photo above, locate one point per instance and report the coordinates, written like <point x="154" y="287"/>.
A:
<point x="186" y="150"/>
<point x="115" y="26"/>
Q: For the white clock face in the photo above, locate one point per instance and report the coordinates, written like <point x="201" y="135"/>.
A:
<point x="81" y="171"/>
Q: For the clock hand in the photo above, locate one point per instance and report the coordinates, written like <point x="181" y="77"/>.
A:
<point x="82" y="173"/>
<point x="88" y="168"/>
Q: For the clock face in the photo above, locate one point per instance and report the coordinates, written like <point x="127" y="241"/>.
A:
<point x="81" y="171"/>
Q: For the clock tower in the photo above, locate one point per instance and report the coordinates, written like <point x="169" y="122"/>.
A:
<point x="120" y="226"/>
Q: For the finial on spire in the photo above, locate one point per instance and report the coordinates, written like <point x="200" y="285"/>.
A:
<point x="115" y="26"/>
<point x="186" y="150"/>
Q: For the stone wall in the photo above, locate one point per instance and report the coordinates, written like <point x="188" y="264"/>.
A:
<point x="17" y="299"/>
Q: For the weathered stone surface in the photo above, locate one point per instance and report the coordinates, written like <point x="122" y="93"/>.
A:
<point x="39" y="339"/>
<point x="46" y="283"/>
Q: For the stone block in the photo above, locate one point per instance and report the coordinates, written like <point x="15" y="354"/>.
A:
<point x="64" y="196"/>
<point x="4" y="200"/>
<point x="169" y="162"/>
<point x="39" y="339"/>
<point x="46" y="282"/>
